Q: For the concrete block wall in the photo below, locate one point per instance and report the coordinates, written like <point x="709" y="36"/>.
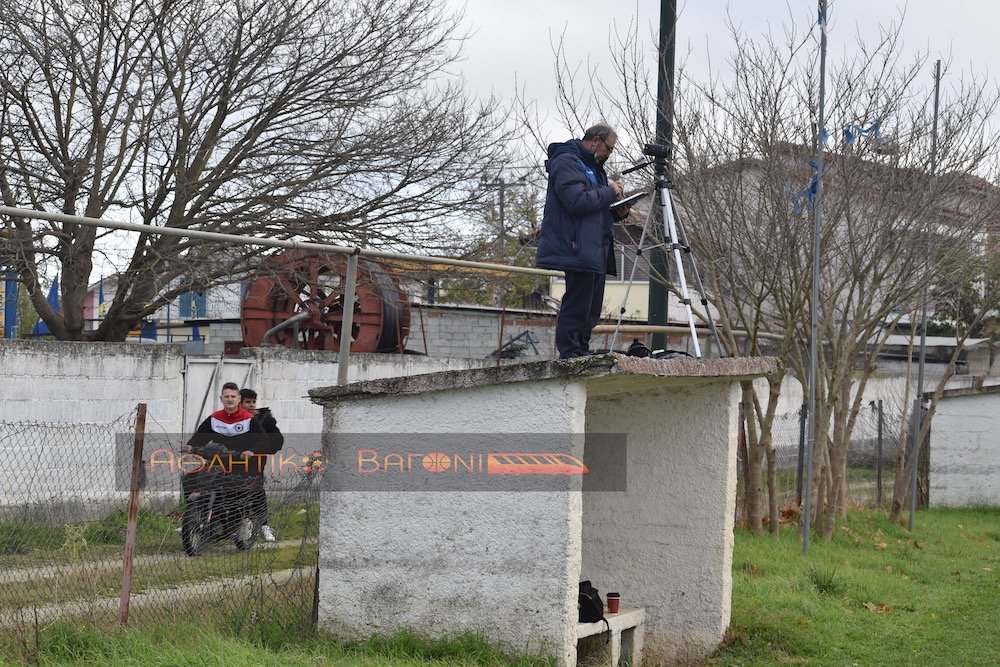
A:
<point x="475" y="333"/>
<point x="965" y="449"/>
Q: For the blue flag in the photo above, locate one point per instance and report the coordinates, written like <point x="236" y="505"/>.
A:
<point x="10" y="305"/>
<point x="41" y="328"/>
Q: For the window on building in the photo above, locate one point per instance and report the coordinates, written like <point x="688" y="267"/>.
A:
<point x="192" y="304"/>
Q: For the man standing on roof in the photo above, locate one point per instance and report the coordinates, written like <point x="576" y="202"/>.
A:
<point x="576" y="234"/>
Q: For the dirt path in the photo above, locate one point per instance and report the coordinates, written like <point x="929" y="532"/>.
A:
<point x="108" y="606"/>
<point x="14" y="575"/>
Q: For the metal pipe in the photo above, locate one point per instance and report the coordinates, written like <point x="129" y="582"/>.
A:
<point x="294" y="319"/>
<point x="270" y="243"/>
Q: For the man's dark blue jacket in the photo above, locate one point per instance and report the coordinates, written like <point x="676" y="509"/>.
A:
<point x="577" y="223"/>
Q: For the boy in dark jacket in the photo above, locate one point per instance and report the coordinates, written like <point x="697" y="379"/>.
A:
<point x="248" y="401"/>
<point x="576" y="234"/>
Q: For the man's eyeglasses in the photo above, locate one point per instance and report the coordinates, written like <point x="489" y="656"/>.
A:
<point x="611" y="149"/>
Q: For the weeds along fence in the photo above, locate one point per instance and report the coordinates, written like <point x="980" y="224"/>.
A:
<point x="871" y="459"/>
<point x="67" y="552"/>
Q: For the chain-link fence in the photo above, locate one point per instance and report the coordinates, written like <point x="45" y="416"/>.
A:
<point x="871" y="458"/>
<point x="198" y="547"/>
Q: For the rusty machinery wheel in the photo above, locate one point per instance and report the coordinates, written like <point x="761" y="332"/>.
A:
<point x="302" y="282"/>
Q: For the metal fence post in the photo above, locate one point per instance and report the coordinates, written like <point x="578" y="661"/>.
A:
<point x="802" y="448"/>
<point x="133" y="513"/>
<point x="878" y="457"/>
<point x="347" y="325"/>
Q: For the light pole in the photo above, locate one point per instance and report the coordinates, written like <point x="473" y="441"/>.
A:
<point x="502" y="186"/>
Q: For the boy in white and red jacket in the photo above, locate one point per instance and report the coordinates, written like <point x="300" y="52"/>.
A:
<point x="235" y="429"/>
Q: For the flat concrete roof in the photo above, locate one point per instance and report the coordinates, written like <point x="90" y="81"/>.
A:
<point x="582" y="367"/>
<point x="986" y="390"/>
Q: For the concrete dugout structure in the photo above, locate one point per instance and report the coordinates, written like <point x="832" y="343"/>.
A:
<point x="507" y="563"/>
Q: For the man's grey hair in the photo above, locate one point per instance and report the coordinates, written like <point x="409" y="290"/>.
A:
<point x="601" y="130"/>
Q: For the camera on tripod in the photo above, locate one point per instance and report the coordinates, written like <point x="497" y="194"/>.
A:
<point x="659" y="151"/>
<point x="659" y="154"/>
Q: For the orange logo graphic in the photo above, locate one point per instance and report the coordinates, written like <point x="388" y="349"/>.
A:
<point x="436" y="462"/>
<point x="534" y="464"/>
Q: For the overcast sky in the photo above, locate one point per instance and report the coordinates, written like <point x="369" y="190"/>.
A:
<point x="512" y="38"/>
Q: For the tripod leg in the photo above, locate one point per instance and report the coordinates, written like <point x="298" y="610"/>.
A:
<point x="671" y="229"/>
<point x="631" y="278"/>
<point x="697" y="280"/>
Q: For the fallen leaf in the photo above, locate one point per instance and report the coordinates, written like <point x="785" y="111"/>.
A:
<point x="877" y="608"/>
<point x="880" y="546"/>
<point x="888" y="569"/>
<point x="987" y="569"/>
<point x="919" y="545"/>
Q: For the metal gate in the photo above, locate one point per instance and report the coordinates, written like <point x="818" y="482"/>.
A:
<point x="203" y="380"/>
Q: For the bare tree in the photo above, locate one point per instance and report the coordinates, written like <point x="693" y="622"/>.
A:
<point x="315" y="119"/>
<point x="744" y="143"/>
<point x="750" y="139"/>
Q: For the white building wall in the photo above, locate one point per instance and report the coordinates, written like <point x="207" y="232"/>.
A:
<point x="965" y="450"/>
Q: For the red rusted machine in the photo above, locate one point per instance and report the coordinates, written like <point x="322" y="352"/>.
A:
<point x="300" y="304"/>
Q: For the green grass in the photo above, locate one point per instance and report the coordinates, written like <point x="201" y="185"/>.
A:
<point x="185" y="643"/>
<point x="28" y="544"/>
<point x="80" y="581"/>
<point x="874" y="595"/>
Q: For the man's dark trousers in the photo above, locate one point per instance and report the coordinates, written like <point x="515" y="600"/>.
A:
<point x="579" y="313"/>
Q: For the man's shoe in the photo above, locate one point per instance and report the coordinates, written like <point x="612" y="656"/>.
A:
<point x="267" y="533"/>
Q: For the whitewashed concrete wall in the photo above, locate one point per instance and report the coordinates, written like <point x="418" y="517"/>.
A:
<point x="70" y="384"/>
<point x="501" y="564"/>
<point x="682" y="490"/>
<point x="88" y="382"/>
<point x="965" y="449"/>
<point x="87" y="390"/>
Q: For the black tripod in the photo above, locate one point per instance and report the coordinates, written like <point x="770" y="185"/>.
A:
<point x="677" y="242"/>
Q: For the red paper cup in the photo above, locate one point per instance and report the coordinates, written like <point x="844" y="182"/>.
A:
<point x="614" y="600"/>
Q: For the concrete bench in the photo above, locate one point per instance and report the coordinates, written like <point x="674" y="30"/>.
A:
<point x="593" y="647"/>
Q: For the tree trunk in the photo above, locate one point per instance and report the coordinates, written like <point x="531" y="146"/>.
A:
<point x="754" y="491"/>
<point x="772" y="490"/>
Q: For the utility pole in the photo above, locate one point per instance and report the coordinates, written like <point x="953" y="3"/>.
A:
<point x="657" y="305"/>
<point x="814" y="300"/>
